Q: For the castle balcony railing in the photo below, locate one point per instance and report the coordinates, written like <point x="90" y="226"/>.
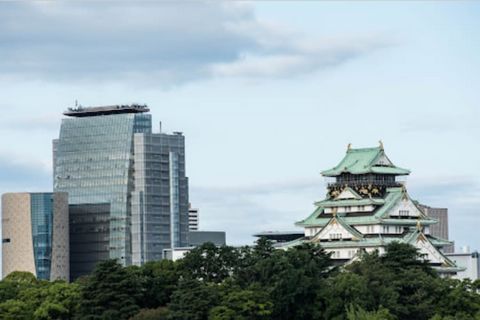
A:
<point x="360" y="183"/>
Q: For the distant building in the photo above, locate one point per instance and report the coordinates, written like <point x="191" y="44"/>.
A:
<point x="367" y="207"/>
<point x="280" y="236"/>
<point x="197" y="238"/>
<point x="35" y="235"/>
<point x="469" y="261"/>
<point x="127" y="186"/>
<point x="439" y="229"/>
<point x="193" y="219"/>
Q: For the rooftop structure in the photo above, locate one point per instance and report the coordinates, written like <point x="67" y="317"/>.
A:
<point x="105" y="110"/>
<point x="366" y="208"/>
<point x="280" y="236"/>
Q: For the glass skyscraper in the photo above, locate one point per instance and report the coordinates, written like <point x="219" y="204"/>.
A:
<point x="127" y="186"/>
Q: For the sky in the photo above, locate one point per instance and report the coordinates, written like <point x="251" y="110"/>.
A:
<point x="267" y="94"/>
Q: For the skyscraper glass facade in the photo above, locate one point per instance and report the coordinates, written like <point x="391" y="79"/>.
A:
<point x="93" y="164"/>
<point x="100" y="162"/>
<point x="160" y="196"/>
<point x="42" y="225"/>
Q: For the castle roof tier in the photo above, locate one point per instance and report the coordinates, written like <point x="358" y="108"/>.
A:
<point x="363" y="161"/>
<point x="366" y="209"/>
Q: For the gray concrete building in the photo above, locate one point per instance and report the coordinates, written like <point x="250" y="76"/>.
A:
<point x="197" y="238"/>
<point x="127" y="186"/>
<point x="35" y="234"/>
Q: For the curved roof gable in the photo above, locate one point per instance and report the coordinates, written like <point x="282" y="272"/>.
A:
<point x="365" y="160"/>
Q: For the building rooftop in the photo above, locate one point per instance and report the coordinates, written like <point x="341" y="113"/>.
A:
<point x="105" y="110"/>
<point x="365" y="160"/>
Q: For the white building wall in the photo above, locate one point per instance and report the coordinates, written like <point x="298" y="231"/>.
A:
<point x="470" y="261"/>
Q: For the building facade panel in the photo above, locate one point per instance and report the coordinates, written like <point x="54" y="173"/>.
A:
<point x="35" y="234"/>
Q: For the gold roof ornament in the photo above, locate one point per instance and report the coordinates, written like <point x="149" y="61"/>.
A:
<point x="334" y="212"/>
<point x="381" y="144"/>
<point x="419" y="225"/>
<point x="404" y="191"/>
<point x="349" y="146"/>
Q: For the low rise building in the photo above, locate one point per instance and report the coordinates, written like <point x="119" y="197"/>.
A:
<point x="35" y="234"/>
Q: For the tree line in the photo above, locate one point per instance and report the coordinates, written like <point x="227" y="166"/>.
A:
<point x="249" y="283"/>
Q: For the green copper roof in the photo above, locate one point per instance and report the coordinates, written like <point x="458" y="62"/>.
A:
<point x="364" y="160"/>
<point x="381" y="215"/>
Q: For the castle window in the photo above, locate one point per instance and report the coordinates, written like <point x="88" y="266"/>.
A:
<point x="335" y="236"/>
<point x="403" y="213"/>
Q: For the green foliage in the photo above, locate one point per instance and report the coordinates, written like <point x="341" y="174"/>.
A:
<point x="357" y="313"/>
<point x="151" y="314"/>
<point x="111" y="292"/>
<point x="237" y="304"/>
<point x="249" y="283"/>
<point x="14" y="310"/>
<point x="193" y="300"/>
<point x="209" y="263"/>
<point x="160" y="279"/>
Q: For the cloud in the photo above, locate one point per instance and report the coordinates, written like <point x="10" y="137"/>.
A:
<point x="47" y="123"/>
<point x="299" y="58"/>
<point x="18" y="174"/>
<point x="244" y="210"/>
<point x="158" y="43"/>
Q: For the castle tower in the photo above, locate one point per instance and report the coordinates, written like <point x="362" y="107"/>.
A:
<point x="367" y="207"/>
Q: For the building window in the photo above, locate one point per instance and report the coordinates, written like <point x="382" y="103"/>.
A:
<point x="335" y="236"/>
<point x="348" y="209"/>
<point x="386" y="229"/>
<point x="403" y="213"/>
<point x="351" y="253"/>
<point x="7" y="240"/>
<point x="335" y="254"/>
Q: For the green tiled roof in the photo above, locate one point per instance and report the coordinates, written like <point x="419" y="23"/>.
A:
<point x="361" y="161"/>
<point x="392" y="196"/>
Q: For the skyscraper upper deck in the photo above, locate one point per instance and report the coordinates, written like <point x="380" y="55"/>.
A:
<point x="105" y="110"/>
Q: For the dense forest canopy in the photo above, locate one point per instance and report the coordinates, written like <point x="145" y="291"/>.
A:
<point x="249" y="283"/>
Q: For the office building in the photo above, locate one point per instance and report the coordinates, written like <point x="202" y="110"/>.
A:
<point x="469" y="261"/>
<point x="439" y="229"/>
<point x="279" y="237"/>
<point x="193" y="219"/>
<point x="197" y="238"/>
<point x="35" y="234"/>
<point x="367" y="207"/>
<point x="127" y="188"/>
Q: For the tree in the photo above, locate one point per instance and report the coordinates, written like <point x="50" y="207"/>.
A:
<point x="193" y="300"/>
<point x="14" y="310"/>
<point x="237" y="304"/>
<point x="160" y="279"/>
<point x="151" y="314"/>
<point x="110" y="292"/>
<point x="357" y="313"/>
<point x="209" y="263"/>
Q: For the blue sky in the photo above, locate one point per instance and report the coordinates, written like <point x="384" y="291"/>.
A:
<point x="268" y="94"/>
